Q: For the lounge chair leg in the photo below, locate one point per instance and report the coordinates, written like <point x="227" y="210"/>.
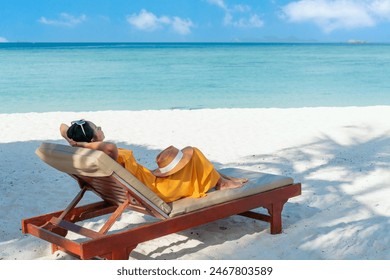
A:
<point x="275" y="211"/>
<point x="121" y="253"/>
<point x="54" y="248"/>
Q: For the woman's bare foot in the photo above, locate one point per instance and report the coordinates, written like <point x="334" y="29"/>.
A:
<point x="225" y="183"/>
<point x="238" y="180"/>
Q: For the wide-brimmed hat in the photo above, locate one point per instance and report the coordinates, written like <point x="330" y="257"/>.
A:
<point x="171" y="160"/>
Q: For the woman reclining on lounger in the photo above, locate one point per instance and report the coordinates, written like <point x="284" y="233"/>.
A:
<point x="185" y="173"/>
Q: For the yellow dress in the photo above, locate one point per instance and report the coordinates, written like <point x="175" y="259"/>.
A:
<point x="193" y="180"/>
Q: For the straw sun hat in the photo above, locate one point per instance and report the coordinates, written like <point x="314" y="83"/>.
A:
<point x="171" y="160"/>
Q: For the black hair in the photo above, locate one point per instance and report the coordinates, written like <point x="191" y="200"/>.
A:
<point x="76" y="133"/>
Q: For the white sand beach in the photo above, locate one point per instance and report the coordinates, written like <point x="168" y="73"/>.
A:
<point x="340" y="155"/>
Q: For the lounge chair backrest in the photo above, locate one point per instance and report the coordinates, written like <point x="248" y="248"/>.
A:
<point x="92" y="163"/>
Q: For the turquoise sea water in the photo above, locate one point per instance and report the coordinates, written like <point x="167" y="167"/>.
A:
<point x="45" y="77"/>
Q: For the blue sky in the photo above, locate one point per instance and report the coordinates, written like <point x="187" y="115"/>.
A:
<point x="194" y="20"/>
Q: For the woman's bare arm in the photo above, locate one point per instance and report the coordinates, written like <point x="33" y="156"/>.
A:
<point x="63" y="129"/>
<point x="106" y="147"/>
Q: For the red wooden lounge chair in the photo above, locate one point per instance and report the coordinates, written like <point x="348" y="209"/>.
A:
<point x="120" y="190"/>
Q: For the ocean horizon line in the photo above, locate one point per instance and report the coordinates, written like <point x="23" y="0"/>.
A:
<point x="238" y="43"/>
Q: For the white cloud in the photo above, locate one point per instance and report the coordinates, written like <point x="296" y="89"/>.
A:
<point x="64" y="19"/>
<point x="219" y="3"/>
<point x="149" y="22"/>
<point x="3" y="40"/>
<point x="145" y="20"/>
<point x="182" y="26"/>
<point x="241" y="8"/>
<point x="330" y="15"/>
<point x="253" y="21"/>
<point x="381" y="8"/>
<point x="238" y="15"/>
